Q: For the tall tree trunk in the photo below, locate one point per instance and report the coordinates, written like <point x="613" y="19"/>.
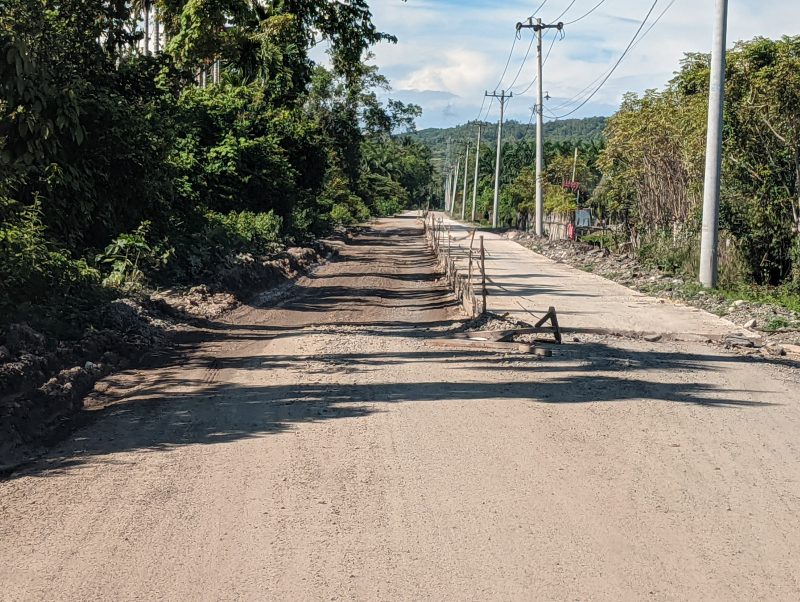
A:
<point x="157" y="28"/>
<point x="147" y="28"/>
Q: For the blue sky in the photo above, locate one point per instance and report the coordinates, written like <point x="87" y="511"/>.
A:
<point x="449" y="52"/>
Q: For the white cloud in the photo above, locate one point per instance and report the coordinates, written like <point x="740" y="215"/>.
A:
<point x="460" y="48"/>
<point x="457" y="71"/>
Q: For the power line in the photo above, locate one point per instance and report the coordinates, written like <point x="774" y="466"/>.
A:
<point x="480" y="111"/>
<point x="594" y="8"/>
<point x="508" y="61"/>
<point x="488" y="109"/>
<point x="547" y="56"/>
<point x="538" y="9"/>
<point x="603" y="74"/>
<point x="564" y="12"/>
<point x="614" y="68"/>
<point x="524" y="60"/>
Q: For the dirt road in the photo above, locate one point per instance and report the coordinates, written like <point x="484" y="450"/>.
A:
<point x="321" y="450"/>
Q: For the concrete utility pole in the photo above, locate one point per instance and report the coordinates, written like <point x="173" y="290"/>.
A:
<point x="448" y="169"/>
<point x="446" y="188"/>
<point x="574" y="175"/>
<point x="157" y="27"/>
<point x="716" y="100"/>
<point x="538" y="27"/>
<point x="455" y="186"/>
<point x="475" y="181"/>
<point x="503" y="97"/>
<point x="450" y="194"/>
<point x="464" y="194"/>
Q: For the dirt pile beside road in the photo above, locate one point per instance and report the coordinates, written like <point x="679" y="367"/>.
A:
<point x="44" y="378"/>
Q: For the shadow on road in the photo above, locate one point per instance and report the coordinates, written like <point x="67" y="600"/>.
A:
<point x="160" y="417"/>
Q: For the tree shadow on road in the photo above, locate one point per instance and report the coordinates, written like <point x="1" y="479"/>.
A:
<point x="163" y="416"/>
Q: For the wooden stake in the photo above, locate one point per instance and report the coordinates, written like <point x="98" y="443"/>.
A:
<point x="483" y="275"/>
<point x="448" y="242"/>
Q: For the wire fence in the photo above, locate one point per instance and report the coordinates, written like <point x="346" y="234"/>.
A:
<point x="464" y="267"/>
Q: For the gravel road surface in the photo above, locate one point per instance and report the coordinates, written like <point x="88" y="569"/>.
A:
<point x="320" y="449"/>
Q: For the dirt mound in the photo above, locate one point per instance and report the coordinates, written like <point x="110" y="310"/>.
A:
<point x="44" y="379"/>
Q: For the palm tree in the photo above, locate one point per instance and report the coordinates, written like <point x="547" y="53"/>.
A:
<point x="142" y="9"/>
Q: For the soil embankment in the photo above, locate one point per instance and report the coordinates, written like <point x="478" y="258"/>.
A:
<point x="44" y="377"/>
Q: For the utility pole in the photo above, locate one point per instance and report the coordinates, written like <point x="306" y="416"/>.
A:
<point x="575" y="164"/>
<point x="574" y="174"/>
<point x="157" y="27"/>
<point x="475" y="182"/>
<point x="716" y="100"/>
<point x="464" y="194"/>
<point x="538" y="27"/>
<point x="449" y="189"/>
<point x="455" y="186"/>
<point x="503" y="97"/>
<point x="446" y="187"/>
<point x="448" y="169"/>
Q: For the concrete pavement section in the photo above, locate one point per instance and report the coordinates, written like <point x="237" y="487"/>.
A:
<point x="524" y="284"/>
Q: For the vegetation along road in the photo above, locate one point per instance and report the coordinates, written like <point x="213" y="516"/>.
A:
<point x="321" y="449"/>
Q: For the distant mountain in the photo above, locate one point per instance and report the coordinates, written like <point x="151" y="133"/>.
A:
<point x="589" y="129"/>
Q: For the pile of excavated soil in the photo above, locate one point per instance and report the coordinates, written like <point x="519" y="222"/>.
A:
<point x="43" y="379"/>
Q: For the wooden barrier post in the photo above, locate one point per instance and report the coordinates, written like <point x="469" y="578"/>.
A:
<point x="483" y="275"/>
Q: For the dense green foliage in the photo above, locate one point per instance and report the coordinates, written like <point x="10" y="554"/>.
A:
<point x="117" y="167"/>
<point x="588" y="130"/>
<point x="518" y="178"/>
<point x="653" y="165"/>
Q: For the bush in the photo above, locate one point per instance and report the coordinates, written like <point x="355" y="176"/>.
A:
<point x="352" y="212"/>
<point x="213" y="238"/>
<point x="390" y="206"/>
<point x="671" y="253"/>
<point x="248" y="231"/>
<point x="383" y="195"/>
<point x="35" y="271"/>
<point x="345" y="207"/>
<point x="604" y="240"/>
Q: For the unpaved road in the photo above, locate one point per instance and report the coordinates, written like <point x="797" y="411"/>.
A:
<point x="322" y="451"/>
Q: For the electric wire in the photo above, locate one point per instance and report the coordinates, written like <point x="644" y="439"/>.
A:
<point x="538" y="9"/>
<point x="594" y="8"/>
<point x="614" y="68"/>
<point x="480" y="111"/>
<point x="488" y="109"/>
<point x="564" y="12"/>
<point x="603" y="74"/>
<point x="508" y="61"/>
<point x="544" y="62"/>
<point x="524" y="60"/>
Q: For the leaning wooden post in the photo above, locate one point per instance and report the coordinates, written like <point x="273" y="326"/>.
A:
<point x="483" y="275"/>
<point x="469" y="269"/>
